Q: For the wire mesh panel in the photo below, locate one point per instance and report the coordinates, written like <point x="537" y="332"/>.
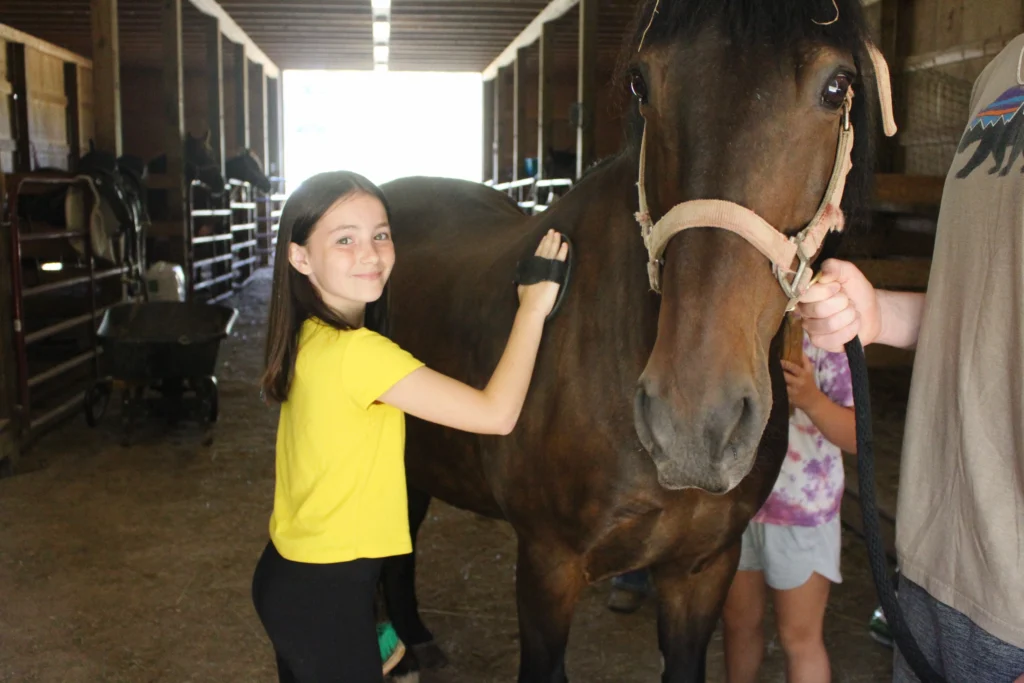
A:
<point x="938" y="106"/>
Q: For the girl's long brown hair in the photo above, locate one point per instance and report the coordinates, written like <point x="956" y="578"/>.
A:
<point x="294" y="299"/>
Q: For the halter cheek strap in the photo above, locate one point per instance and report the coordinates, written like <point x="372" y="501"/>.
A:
<point x="776" y="247"/>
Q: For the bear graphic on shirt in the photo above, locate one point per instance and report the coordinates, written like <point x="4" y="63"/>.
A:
<point x="998" y="128"/>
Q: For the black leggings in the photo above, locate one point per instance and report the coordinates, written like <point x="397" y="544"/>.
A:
<point x="320" y="618"/>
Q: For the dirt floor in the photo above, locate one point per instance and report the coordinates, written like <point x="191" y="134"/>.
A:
<point x="134" y="564"/>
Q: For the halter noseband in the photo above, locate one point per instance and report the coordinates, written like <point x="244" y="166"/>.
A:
<point x="779" y="249"/>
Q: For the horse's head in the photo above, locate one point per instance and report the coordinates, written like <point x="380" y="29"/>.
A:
<point x="201" y="162"/>
<point x="743" y="101"/>
<point x="246" y="166"/>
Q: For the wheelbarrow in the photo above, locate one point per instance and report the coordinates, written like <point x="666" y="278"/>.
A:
<point x="162" y="357"/>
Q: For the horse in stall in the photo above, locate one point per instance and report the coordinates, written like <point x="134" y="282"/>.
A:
<point x="201" y="164"/>
<point x="657" y="419"/>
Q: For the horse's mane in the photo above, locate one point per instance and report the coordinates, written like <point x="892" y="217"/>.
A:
<point x="788" y="27"/>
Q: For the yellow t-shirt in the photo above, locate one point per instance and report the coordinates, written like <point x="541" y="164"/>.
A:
<point x="340" y="484"/>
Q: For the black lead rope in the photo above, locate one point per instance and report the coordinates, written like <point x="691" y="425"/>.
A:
<point x="902" y="636"/>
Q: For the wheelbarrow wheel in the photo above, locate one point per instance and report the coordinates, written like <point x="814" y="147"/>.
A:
<point x="97" y="398"/>
<point x="211" y="400"/>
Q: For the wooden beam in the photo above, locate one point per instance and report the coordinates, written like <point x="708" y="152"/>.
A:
<point x="19" y="109"/>
<point x="901" y="274"/>
<point x="545" y="96"/>
<point x="72" y="116"/>
<point x="899" y="189"/>
<point x="554" y="10"/>
<point x="587" y="84"/>
<point x="13" y="35"/>
<point x="233" y="31"/>
<point x="519" y="113"/>
<point x="215" y="88"/>
<point x="241" y="80"/>
<point x="106" y="76"/>
<point x="488" y="151"/>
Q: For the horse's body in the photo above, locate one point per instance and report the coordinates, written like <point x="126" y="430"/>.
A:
<point x="654" y="427"/>
<point x="573" y="479"/>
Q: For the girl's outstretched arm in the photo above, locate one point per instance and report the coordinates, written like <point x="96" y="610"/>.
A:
<point x="434" y="397"/>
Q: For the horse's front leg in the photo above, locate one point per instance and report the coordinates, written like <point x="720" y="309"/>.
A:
<point x="689" y="605"/>
<point x="548" y="583"/>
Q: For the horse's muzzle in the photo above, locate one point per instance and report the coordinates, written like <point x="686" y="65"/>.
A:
<point x="710" y="447"/>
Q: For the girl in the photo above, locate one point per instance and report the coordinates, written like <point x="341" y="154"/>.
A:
<point x="792" y="544"/>
<point x="343" y="386"/>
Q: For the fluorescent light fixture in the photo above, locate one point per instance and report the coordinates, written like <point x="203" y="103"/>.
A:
<point x="380" y="4"/>
<point x="381" y="31"/>
<point x="380" y="53"/>
<point x="380" y="67"/>
<point x="53" y="267"/>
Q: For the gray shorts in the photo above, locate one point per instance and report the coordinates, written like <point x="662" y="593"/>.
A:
<point x="954" y="645"/>
<point x="788" y="555"/>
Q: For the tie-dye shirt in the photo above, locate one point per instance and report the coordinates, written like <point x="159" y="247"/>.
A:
<point x="810" y="486"/>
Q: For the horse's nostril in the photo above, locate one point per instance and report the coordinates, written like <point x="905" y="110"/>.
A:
<point x="738" y="424"/>
<point x="641" y="417"/>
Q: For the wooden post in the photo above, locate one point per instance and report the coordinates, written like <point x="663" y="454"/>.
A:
<point x="106" y="76"/>
<point x="8" y="369"/>
<point x="174" y="125"/>
<point x="896" y="27"/>
<point x="72" y="117"/>
<point x="585" y="131"/>
<point x="258" y="116"/>
<point x="488" y="167"/>
<point x="545" y="96"/>
<point x="241" y="97"/>
<point x="279" y="92"/>
<point x="215" y="88"/>
<point x="274" y="150"/>
<point x="496" y="156"/>
<point x="519" y="113"/>
<point x="19" y="114"/>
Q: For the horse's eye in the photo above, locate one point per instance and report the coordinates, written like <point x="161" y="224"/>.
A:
<point x="834" y="93"/>
<point x="638" y="86"/>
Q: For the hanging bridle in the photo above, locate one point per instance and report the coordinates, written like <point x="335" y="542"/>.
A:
<point x="779" y="249"/>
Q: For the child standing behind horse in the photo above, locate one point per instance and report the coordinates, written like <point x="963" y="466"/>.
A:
<point x="340" y="498"/>
<point x="792" y="545"/>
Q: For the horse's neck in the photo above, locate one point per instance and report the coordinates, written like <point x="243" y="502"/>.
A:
<point x="613" y="292"/>
<point x="601" y="209"/>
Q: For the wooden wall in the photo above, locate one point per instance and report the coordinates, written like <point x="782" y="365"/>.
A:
<point x="48" y="118"/>
<point x="141" y="109"/>
<point x="47" y="110"/>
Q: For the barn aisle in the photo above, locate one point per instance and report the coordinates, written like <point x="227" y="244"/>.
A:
<point x="134" y="564"/>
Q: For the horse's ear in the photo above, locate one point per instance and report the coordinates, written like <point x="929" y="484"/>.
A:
<point x="92" y="145"/>
<point x="206" y="138"/>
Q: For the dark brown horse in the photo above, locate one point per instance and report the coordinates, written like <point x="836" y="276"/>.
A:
<point x="655" y="425"/>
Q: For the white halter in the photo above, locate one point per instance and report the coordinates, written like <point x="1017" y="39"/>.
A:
<point x="778" y="248"/>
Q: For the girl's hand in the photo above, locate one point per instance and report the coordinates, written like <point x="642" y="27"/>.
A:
<point x="800" y="385"/>
<point x="540" y="298"/>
